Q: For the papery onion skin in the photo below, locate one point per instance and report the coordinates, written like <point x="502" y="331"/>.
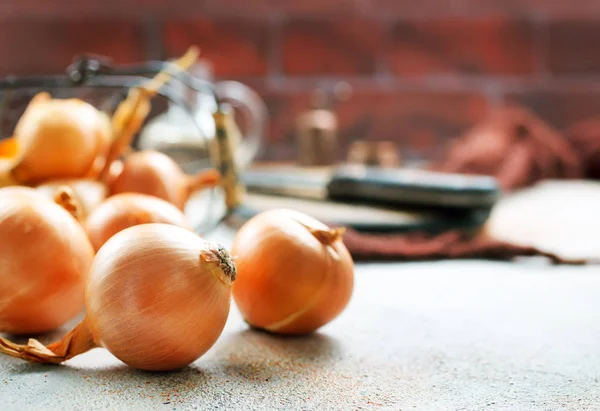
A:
<point x="44" y="259"/>
<point x="59" y="138"/>
<point x="22" y="190"/>
<point x="153" y="301"/>
<point x="154" y="173"/>
<point x="88" y="192"/>
<point x="294" y="273"/>
<point x="125" y="210"/>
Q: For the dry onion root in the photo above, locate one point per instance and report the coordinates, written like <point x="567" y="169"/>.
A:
<point x="294" y="273"/>
<point x="57" y="138"/>
<point x="44" y="260"/>
<point x="156" y="174"/>
<point x="122" y="211"/>
<point x="158" y="298"/>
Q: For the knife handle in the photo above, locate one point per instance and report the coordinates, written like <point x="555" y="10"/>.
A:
<point x="413" y="188"/>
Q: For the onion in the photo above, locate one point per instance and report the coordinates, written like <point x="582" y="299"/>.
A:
<point x="158" y="298"/>
<point x="294" y="273"/>
<point x="44" y="259"/>
<point x="126" y="210"/>
<point x="8" y="147"/>
<point x="87" y="192"/>
<point x="154" y="173"/>
<point x="57" y="138"/>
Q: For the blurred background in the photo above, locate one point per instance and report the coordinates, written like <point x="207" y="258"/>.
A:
<point x="421" y="72"/>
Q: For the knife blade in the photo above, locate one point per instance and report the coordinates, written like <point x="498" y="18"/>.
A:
<point x="365" y="218"/>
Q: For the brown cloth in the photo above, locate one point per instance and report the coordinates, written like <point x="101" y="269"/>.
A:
<point x="585" y="137"/>
<point x="516" y="147"/>
<point x="519" y="149"/>
<point x="449" y="245"/>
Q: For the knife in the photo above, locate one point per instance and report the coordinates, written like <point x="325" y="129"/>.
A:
<point x="400" y="188"/>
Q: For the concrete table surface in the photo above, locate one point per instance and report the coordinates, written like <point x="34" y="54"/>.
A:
<point x="455" y="335"/>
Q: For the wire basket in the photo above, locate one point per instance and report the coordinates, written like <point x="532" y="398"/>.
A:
<point x="95" y="80"/>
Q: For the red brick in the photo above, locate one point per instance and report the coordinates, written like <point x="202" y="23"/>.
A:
<point x="509" y="8"/>
<point x="91" y="8"/>
<point x="529" y="7"/>
<point x="412" y="8"/>
<point x="316" y="7"/>
<point x="286" y="7"/>
<point x="236" y="8"/>
<point x="489" y="46"/>
<point x="421" y="122"/>
<point x="561" y="106"/>
<point x="337" y="47"/>
<point x="38" y="46"/>
<point x="283" y="108"/>
<point x="572" y="47"/>
<point x="234" y="47"/>
<point x="239" y="8"/>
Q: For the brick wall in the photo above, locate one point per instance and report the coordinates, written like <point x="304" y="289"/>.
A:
<point x="422" y="71"/>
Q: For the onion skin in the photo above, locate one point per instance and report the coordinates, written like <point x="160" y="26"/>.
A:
<point x="45" y="256"/>
<point x="22" y="191"/>
<point x="8" y="147"/>
<point x="294" y="273"/>
<point x="6" y="177"/>
<point x="156" y="174"/>
<point x="125" y="210"/>
<point x="60" y="139"/>
<point x="112" y="172"/>
<point x="158" y="298"/>
<point x="88" y="192"/>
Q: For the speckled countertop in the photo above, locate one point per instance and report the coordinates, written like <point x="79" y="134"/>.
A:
<point x="461" y="335"/>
